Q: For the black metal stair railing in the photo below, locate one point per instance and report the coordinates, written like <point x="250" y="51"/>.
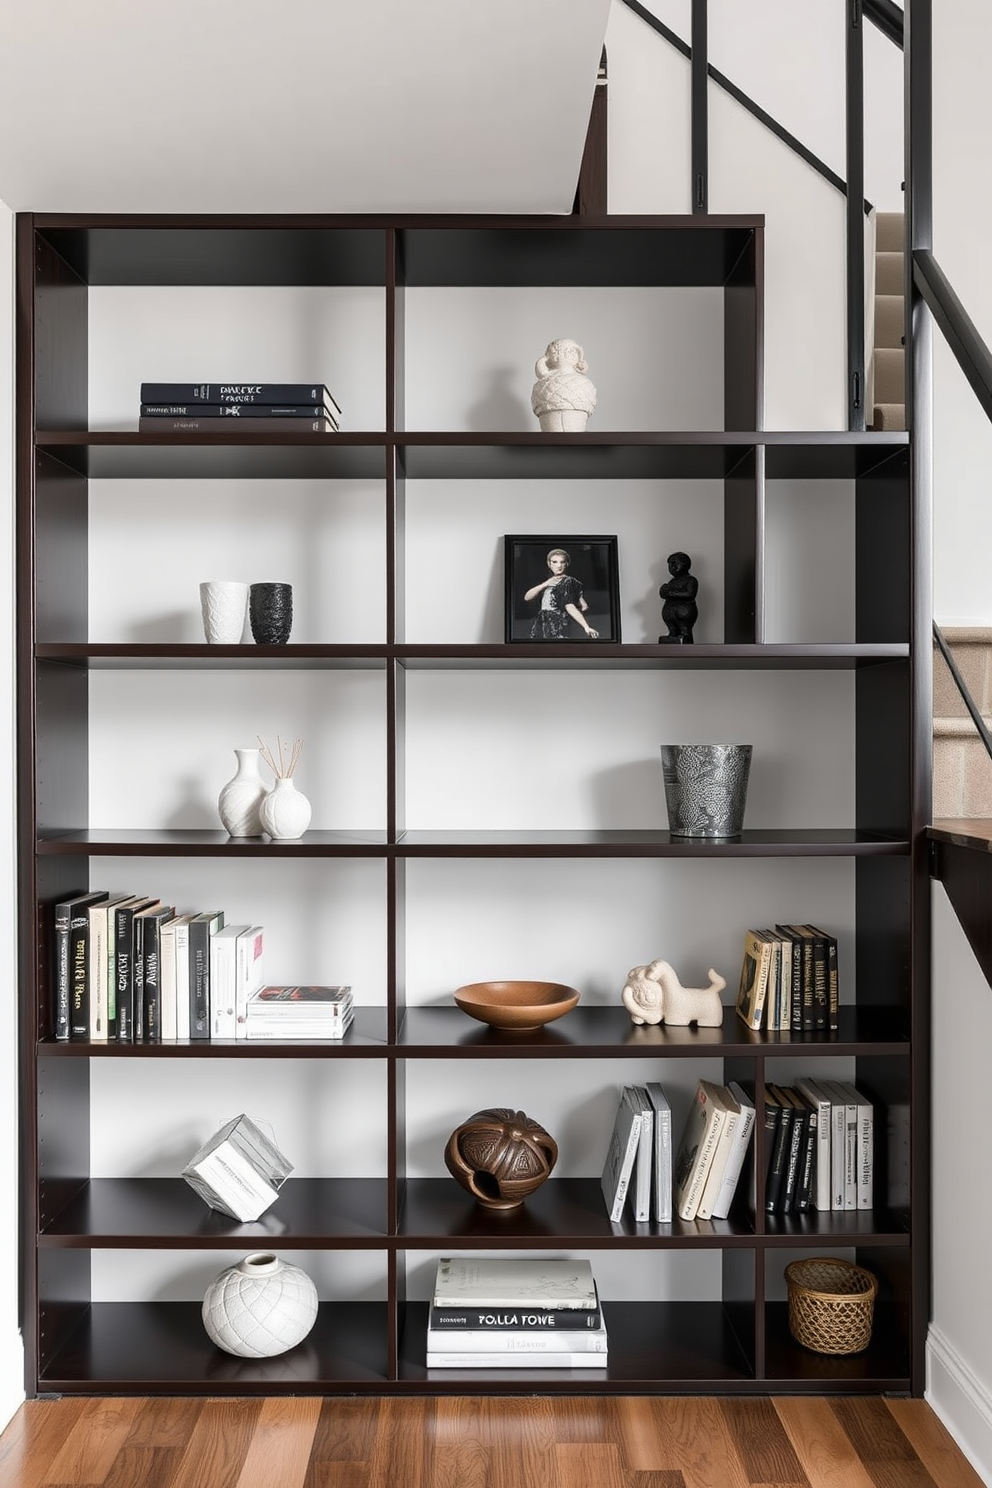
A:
<point x="888" y="17"/>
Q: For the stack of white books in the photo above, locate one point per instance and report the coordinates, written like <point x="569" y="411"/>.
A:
<point x="298" y="1012"/>
<point x="515" y="1314"/>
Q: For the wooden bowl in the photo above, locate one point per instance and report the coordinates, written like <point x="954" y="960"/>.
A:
<point x="517" y="1005"/>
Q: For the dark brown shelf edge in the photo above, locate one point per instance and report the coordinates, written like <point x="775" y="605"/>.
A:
<point x="349" y="1213"/>
<point x="829" y="438"/>
<point x="578" y="654"/>
<point x="604" y="843"/>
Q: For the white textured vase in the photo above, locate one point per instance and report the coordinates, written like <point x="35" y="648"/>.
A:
<point x="285" y="811"/>
<point x="240" y="800"/>
<point x="260" y="1307"/>
<point x="224" y="606"/>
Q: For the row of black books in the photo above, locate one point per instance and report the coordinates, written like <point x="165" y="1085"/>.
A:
<point x="262" y="407"/>
<point x="129" y="968"/>
<point x="515" y="1313"/>
<point x="819" y="1147"/>
<point x="789" y="980"/>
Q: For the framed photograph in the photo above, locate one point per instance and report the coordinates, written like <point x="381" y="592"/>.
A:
<point x="562" y="588"/>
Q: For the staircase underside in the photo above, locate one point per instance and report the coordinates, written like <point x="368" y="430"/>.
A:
<point x="962" y="861"/>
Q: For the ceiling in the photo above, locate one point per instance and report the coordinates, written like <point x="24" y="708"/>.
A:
<point x="295" y="105"/>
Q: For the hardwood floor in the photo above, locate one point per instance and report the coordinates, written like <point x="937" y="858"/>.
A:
<point x="530" y="1442"/>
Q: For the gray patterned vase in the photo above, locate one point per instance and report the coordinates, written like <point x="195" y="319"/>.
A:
<point x="706" y="788"/>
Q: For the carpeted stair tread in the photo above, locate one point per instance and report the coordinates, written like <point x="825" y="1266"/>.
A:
<point x="890" y="324"/>
<point x="889" y="271"/>
<point x="890" y="232"/>
<point x="890" y="374"/>
<point x="888" y="417"/>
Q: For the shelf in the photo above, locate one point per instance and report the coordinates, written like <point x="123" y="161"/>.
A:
<point x="365" y="1037"/>
<point x="571" y="655"/>
<point x="884" y="1367"/>
<point x="607" y="1032"/>
<point x="136" y="1212"/>
<point x="129" y="1348"/>
<point x="592" y="843"/>
<point x="124" y="454"/>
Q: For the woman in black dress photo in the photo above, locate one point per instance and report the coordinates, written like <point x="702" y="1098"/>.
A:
<point x="561" y="602"/>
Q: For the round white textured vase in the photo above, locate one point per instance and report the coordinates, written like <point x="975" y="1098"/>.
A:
<point x="285" y="811"/>
<point x="260" y="1307"/>
<point x="240" y="800"/>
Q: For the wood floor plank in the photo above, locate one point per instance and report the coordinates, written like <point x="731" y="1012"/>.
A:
<point x="458" y="1444"/>
<point x="33" y="1439"/>
<point x="644" y="1435"/>
<point x="650" y="1479"/>
<point x="280" y="1445"/>
<point x="88" y="1451"/>
<point x="398" y="1450"/>
<point x="762" y="1443"/>
<point x="873" y="1430"/>
<point x="155" y="1445"/>
<point x="218" y="1444"/>
<point x="704" y="1447"/>
<point x="592" y="1465"/>
<point x="827" y="1455"/>
<point x="933" y="1444"/>
<point x="345" y="1432"/>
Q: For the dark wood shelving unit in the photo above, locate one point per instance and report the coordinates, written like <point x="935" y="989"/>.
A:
<point x="736" y="1344"/>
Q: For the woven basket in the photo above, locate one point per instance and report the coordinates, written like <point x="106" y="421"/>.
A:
<point x="830" y="1305"/>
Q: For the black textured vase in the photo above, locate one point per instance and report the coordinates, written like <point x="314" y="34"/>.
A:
<point x="270" y="610"/>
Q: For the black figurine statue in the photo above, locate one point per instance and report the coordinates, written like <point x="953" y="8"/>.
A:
<point x="680" y="611"/>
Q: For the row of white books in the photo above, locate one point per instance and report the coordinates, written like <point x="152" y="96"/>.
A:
<point x="515" y="1313"/>
<point x="700" y="1180"/>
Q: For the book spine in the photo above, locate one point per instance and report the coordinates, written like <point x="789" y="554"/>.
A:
<point x="99" y="917"/>
<point x="62" y="978"/>
<point x="804" y="1195"/>
<point x="234" y="410"/>
<point x="528" y="1321"/>
<point x="182" y="980"/>
<point x="199" y="980"/>
<point x="779" y="1158"/>
<point x="793" y="1169"/>
<point x="124" y="973"/>
<point x="79" y="1009"/>
<point x="237" y="392"/>
<point x="623" y="1180"/>
<point x="833" y="985"/>
<point x="866" y="1156"/>
<point x="821" y="984"/>
<point x="533" y="1360"/>
<point x="138" y="973"/>
<point x="198" y="425"/>
<point x="735" y="1162"/>
<point x="468" y="1341"/>
<point x="151" y="990"/>
<point x="663" y="1168"/>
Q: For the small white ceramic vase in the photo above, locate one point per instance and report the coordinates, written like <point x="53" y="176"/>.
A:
<point x="260" y="1307"/>
<point x="240" y="800"/>
<point x="224" y="606"/>
<point x="285" y="812"/>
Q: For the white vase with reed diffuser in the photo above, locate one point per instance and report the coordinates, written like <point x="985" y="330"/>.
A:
<point x="285" y="811"/>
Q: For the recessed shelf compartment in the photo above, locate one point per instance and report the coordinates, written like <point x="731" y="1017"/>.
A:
<point x="137" y="1348"/>
<point x="124" y="1212"/>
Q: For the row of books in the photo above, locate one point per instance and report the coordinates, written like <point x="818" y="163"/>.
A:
<point x="266" y="407"/>
<point x="128" y="968"/>
<point x="789" y="980"/>
<point x="701" y="1181"/>
<point x="819" y="1147"/>
<point x="515" y="1313"/>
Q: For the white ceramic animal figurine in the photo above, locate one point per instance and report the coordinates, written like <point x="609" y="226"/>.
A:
<point x="654" y="994"/>
<point x="562" y="397"/>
